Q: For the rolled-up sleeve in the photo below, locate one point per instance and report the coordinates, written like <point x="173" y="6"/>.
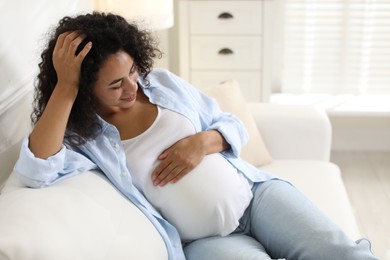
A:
<point x="36" y="173"/>
<point x="232" y="130"/>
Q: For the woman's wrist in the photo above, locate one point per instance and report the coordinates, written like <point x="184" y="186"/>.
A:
<point x="66" y="90"/>
<point x="213" y="141"/>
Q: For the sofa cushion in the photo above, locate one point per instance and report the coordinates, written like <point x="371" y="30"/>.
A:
<point x="321" y="182"/>
<point x="230" y="98"/>
<point x="83" y="217"/>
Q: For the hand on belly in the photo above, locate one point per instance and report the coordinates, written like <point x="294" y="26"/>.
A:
<point x="209" y="200"/>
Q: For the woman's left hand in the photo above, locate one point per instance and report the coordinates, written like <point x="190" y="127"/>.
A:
<point x="179" y="159"/>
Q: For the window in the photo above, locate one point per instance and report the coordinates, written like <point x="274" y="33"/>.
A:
<point x="333" y="47"/>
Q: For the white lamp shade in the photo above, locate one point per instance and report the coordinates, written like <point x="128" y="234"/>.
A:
<point x="153" y="14"/>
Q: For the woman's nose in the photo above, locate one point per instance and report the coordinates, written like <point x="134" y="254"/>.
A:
<point x="129" y="83"/>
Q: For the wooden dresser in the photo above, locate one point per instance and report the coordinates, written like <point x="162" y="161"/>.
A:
<point x="220" y="40"/>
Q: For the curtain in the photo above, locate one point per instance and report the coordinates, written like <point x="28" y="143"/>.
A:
<point x="336" y="47"/>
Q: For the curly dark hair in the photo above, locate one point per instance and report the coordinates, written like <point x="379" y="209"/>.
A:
<point x="109" y="34"/>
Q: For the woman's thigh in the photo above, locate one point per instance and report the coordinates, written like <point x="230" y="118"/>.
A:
<point x="289" y="226"/>
<point x="232" y="247"/>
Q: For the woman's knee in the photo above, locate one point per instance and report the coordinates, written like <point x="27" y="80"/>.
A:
<point x="345" y="249"/>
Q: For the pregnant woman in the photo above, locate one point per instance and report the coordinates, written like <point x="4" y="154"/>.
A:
<point x="167" y="147"/>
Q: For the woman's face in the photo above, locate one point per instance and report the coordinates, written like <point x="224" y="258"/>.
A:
<point x="116" y="85"/>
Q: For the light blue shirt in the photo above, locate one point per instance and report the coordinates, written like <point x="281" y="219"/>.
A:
<point x="106" y="152"/>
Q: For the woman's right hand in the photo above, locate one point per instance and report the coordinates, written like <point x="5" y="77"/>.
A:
<point x="66" y="63"/>
<point x="47" y="135"/>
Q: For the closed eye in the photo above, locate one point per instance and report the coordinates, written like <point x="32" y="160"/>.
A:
<point x="116" y="85"/>
<point x="116" y="81"/>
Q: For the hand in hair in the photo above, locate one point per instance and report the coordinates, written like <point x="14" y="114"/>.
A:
<point x="66" y="63"/>
<point x="47" y="136"/>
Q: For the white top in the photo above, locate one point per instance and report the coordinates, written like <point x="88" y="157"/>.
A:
<point x="208" y="201"/>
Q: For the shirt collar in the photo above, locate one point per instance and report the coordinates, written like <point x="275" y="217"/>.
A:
<point x="143" y="83"/>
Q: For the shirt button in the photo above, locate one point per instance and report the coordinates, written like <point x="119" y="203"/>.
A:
<point x="124" y="174"/>
<point x="114" y="144"/>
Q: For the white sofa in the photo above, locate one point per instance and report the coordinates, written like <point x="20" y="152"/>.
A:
<point x="86" y="218"/>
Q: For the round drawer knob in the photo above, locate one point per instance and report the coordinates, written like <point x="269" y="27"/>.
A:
<point x="225" y="51"/>
<point x="225" y="15"/>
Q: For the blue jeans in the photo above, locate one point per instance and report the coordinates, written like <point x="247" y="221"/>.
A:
<point x="281" y="223"/>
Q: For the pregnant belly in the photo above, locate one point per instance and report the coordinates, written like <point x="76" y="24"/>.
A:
<point x="208" y="201"/>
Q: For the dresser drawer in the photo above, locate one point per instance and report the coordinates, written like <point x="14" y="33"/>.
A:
<point x="225" y="17"/>
<point x="224" y="52"/>
<point x="249" y="81"/>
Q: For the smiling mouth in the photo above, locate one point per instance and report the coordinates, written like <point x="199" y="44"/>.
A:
<point x="129" y="99"/>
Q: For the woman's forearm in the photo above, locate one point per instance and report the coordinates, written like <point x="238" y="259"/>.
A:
<point x="47" y="136"/>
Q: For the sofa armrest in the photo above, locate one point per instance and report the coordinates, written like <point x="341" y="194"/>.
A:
<point x="293" y="132"/>
<point x="83" y="217"/>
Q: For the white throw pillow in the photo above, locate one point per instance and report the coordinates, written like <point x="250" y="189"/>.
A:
<point x="230" y="98"/>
